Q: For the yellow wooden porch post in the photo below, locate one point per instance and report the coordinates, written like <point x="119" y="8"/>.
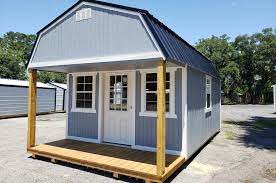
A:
<point x="31" y="108"/>
<point x="161" y="118"/>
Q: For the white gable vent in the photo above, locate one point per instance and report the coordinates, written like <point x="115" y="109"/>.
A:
<point x="83" y="14"/>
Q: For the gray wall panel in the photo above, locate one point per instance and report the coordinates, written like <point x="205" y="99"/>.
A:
<point x="83" y="125"/>
<point x="107" y="33"/>
<point x="201" y="126"/>
<point x="145" y="134"/>
<point x="14" y="100"/>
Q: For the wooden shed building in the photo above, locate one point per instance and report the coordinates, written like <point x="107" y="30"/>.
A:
<point x="141" y="100"/>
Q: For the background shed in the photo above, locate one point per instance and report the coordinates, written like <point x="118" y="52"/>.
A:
<point x="14" y="98"/>
<point x="60" y="95"/>
<point x="274" y="97"/>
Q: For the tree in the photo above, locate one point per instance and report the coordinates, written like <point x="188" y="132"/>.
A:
<point x="222" y="53"/>
<point x="15" y="51"/>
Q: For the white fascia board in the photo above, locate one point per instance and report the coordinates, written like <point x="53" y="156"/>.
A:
<point x="117" y="58"/>
<point x="104" y="7"/>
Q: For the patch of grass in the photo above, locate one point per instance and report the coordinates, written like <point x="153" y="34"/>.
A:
<point x="261" y="124"/>
<point x="229" y="135"/>
<point x="271" y="173"/>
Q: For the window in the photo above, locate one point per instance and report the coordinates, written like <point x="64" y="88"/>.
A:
<point x="84" y="93"/>
<point x="149" y="93"/>
<point x="118" y="86"/>
<point x="208" y="93"/>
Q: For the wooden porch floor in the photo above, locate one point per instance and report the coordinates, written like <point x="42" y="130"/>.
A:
<point x="119" y="160"/>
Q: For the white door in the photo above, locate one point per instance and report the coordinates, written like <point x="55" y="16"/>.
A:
<point x="118" y="108"/>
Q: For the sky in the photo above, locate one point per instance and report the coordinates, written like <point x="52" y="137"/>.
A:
<point x="191" y="19"/>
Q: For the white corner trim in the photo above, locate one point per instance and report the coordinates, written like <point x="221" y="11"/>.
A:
<point x="184" y="112"/>
<point x="82" y="139"/>
<point x="106" y="59"/>
<point x="133" y="102"/>
<point x="67" y="106"/>
<point x="100" y="107"/>
<point x="84" y="110"/>
<point x="143" y="112"/>
<point x="152" y="149"/>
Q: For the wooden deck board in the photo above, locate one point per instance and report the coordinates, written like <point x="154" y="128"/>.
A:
<point x="119" y="160"/>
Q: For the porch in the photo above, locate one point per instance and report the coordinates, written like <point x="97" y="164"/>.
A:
<point x="115" y="159"/>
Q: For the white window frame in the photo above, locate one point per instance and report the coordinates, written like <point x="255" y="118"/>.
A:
<point x="143" y="112"/>
<point x="84" y="110"/>
<point x="210" y="79"/>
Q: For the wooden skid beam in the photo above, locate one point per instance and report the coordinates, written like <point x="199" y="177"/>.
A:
<point x="161" y="119"/>
<point x="31" y="108"/>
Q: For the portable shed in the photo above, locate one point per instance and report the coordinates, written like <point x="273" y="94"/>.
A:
<point x="14" y="98"/>
<point x="60" y="95"/>
<point x="131" y="81"/>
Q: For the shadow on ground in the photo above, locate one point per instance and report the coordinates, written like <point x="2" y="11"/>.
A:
<point x="259" y="132"/>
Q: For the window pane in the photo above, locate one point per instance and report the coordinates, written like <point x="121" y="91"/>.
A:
<point x="88" y="87"/>
<point x="80" y="103"/>
<point x="118" y="107"/>
<point x="124" y="95"/>
<point x="208" y="100"/>
<point x="112" y="80"/>
<point x="151" y="77"/>
<point x="151" y="106"/>
<point x="167" y="85"/>
<point x="80" y="79"/>
<point x="88" y="104"/>
<point x="88" y="79"/>
<point x="167" y="97"/>
<point x="167" y="107"/>
<point x="111" y="94"/>
<point x="124" y="104"/>
<point x="80" y="87"/>
<point x="151" y="86"/>
<point x="80" y="96"/>
<point x="167" y="76"/>
<point x="88" y="96"/>
<point x="124" y="80"/>
<point x="151" y="97"/>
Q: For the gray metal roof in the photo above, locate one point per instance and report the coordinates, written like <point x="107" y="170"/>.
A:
<point x="174" y="48"/>
<point x="178" y="50"/>
<point x="20" y="83"/>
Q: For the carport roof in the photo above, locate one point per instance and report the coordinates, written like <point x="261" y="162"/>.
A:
<point x="173" y="47"/>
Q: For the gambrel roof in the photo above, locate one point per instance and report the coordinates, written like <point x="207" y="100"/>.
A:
<point x="173" y="47"/>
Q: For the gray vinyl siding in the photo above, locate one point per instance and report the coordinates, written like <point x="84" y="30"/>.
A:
<point x="200" y="125"/>
<point x="84" y="125"/>
<point x="145" y="127"/>
<point x="107" y="33"/>
<point x="14" y="100"/>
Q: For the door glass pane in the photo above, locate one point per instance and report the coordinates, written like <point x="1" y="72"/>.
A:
<point x="124" y="95"/>
<point x="88" y="79"/>
<point x="112" y="81"/>
<point x="111" y="104"/>
<point x="124" y="80"/>
<point x="124" y="104"/>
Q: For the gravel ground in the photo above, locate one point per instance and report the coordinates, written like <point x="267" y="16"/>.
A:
<point x="244" y="151"/>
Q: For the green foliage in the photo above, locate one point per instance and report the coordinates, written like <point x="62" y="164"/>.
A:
<point x="247" y="65"/>
<point x="15" y="51"/>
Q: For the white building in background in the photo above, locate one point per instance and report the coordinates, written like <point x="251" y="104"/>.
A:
<point x="60" y="95"/>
